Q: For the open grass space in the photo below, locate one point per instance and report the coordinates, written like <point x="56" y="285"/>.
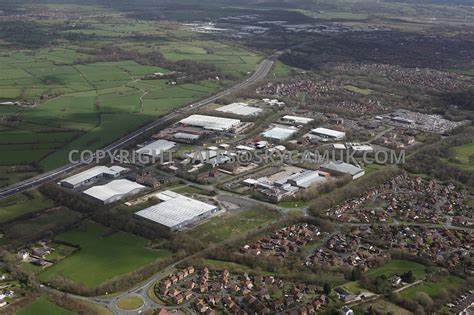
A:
<point x="39" y="224"/>
<point x="130" y="303"/>
<point x="354" y="287"/>
<point x="219" y="229"/>
<point x="43" y="306"/>
<point x="101" y="257"/>
<point x="398" y="267"/>
<point x="432" y="288"/>
<point x="82" y="103"/>
<point x="383" y="306"/>
<point x="463" y="157"/>
<point x="18" y="205"/>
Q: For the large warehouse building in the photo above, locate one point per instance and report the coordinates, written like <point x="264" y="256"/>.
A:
<point x="92" y="175"/>
<point x="279" y="133"/>
<point x="241" y="109"/>
<point x="329" y="133"/>
<point x="210" y="122"/>
<point x="341" y="168"/>
<point x="156" y="148"/>
<point x="114" y="191"/>
<point x="177" y="211"/>
<point x="296" y="119"/>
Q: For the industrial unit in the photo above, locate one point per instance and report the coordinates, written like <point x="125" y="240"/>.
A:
<point x="241" y="109"/>
<point x="329" y="133"/>
<point x="177" y="211"/>
<point x="210" y="122"/>
<point x="92" y="175"/>
<point x="296" y="119"/>
<point x="341" y="168"/>
<point x="156" y="148"/>
<point x="279" y="133"/>
<point x="113" y="191"/>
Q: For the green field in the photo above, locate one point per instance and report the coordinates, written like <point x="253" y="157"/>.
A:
<point x="30" y="228"/>
<point x="102" y="258"/>
<point x="384" y="307"/>
<point x="81" y="103"/>
<point x="219" y="229"/>
<point x="15" y="206"/>
<point x="130" y="303"/>
<point x="464" y="157"/>
<point x="432" y="288"/>
<point x="398" y="267"/>
<point x="43" y="306"/>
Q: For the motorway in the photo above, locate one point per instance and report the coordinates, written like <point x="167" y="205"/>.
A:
<point x="260" y="73"/>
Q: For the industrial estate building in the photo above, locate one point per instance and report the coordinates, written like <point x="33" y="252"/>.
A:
<point x="329" y="133"/>
<point x="341" y="168"/>
<point x="156" y="148"/>
<point x="113" y="191"/>
<point x="241" y="109"/>
<point x="279" y="133"/>
<point x="177" y="211"/>
<point x="210" y="122"/>
<point x="92" y="175"/>
<point x="296" y="119"/>
<point x="287" y="182"/>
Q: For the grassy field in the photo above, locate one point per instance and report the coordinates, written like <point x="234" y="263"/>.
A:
<point x="384" y="307"/>
<point x="463" y="155"/>
<point x="102" y="258"/>
<point x="15" y="206"/>
<point x="432" y="288"/>
<point x="130" y="303"/>
<point x="81" y="104"/>
<point x="219" y="229"/>
<point x="354" y="287"/>
<point x="399" y="267"/>
<point x="28" y="229"/>
<point x="43" y="306"/>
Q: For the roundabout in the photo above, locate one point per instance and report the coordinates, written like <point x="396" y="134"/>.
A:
<point x="130" y="303"/>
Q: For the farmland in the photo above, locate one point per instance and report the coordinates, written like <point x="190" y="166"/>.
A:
<point x="74" y="100"/>
<point x="15" y="206"/>
<point x="101" y="258"/>
<point x="43" y="306"/>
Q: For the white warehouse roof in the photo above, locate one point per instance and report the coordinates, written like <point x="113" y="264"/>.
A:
<point x="176" y="211"/>
<point x="279" y="133"/>
<point x="210" y="122"/>
<point x="242" y="109"/>
<point x="93" y="172"/>
<point x="156" y="148"/>
<point x="329" y="133"/>
<point x="297" y="119"/>
<point x="114" y="190"/>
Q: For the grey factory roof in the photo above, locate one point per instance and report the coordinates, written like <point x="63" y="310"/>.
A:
<point x="116" y="188"/>
<point x="297" y="119"/>
<point x="156" y="148"/>
<point x="242" y="109"/>
<point x="329" y="133"/>
<point x="186" y="136"/>
<point x="95" y="171"/>
<point x="210" y="122"/>
<point x="279" y="133"/>
<point x="176" y="211"/>
<point x="341" y="167"/>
